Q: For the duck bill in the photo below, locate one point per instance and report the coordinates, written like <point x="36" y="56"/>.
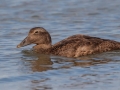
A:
<point x="25" y="42"/>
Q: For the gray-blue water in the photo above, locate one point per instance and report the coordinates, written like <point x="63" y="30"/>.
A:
<point x="20" y="69"/>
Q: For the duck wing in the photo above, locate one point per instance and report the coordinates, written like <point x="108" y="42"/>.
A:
<point x="80" y="45"/>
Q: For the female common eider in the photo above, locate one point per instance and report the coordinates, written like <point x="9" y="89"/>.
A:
<point x="73" y="46"/>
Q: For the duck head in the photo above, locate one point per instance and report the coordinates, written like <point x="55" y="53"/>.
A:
<point x="38" y="36"/>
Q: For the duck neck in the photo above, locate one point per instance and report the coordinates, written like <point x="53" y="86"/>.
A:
<point x="42" y="48"/>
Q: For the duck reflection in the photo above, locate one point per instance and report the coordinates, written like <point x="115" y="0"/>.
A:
<point x="43" y="63"/>
<point x="35" y="62"/>
<point x="81" y="62"/>
<point x="47" y="62"/>
<point x="61" y="63"/>
<point x="91" y="62"/>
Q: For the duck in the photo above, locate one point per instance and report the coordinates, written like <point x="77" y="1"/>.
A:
<point x="74" y="46"/>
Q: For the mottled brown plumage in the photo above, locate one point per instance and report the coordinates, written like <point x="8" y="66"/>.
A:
<point x="73" y="46"/>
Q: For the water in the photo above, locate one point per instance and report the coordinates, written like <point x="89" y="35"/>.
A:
<point x="21" y="69"/>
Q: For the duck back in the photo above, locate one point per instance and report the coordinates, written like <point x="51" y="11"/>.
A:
<point x="80" y="45"/>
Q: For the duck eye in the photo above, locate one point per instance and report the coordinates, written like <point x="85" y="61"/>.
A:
<point x="36" y="32"/>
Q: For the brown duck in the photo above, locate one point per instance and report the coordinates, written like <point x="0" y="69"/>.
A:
<point x="73" y="46"/>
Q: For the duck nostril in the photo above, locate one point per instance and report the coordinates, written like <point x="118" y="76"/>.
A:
<point x="23" y="41"/>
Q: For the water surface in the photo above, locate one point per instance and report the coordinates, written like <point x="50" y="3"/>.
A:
<point x="21" y="69"/>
